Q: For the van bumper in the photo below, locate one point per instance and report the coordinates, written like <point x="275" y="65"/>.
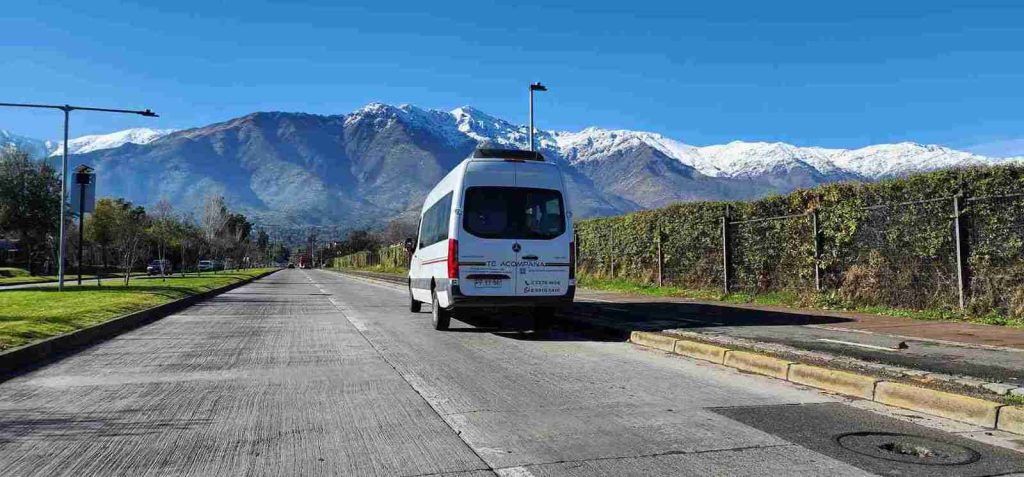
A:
<point x="458" y="300"/>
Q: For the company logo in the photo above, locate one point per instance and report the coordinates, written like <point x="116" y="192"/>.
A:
<point x="516" y="247"/>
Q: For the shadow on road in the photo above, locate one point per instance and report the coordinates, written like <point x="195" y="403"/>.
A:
<point x="590" y="321"/>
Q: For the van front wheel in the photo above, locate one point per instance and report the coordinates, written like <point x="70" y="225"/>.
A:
<point x="442" y="318"/>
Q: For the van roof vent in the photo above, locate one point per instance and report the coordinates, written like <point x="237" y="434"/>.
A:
<point x="516" y="154"/>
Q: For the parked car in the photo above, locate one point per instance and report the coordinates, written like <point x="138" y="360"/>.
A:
<point x="210" y="265"/>
<point x="495" y="232"/>
<point x="159" y="267"/>
<point x="291" y="265"/>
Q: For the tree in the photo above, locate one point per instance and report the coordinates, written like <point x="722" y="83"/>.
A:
<point x="263" y="245"/>
<point x="163" y="229"/>
<point x="100" y="227"/>
<point x="129" y="224"/>
<point x="398" y="230"/>
<point x="29" y="201"/>
<point x="235" y="237"/>
<point x="214" y="218"/>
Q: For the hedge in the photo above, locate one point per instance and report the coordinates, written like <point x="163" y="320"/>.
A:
<point x="889" y="243"/>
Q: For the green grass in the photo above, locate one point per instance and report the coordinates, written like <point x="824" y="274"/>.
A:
<point x="10" y="272"/>
<point x="15" y="276"/>
<point x="1014" y="400"/>
<point x="820" y="301"/>
<point x="34" y="314"/>
<point x="27" y="279"/>
<point x="400" y="271"/>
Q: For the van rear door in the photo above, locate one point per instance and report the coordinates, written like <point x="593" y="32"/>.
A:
<point x="486" y="256"/>
<point x="546" y="233"/>
<point x="544" y="246"/>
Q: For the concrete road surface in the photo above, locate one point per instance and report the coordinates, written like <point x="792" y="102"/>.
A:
<point x="315" y="373"/>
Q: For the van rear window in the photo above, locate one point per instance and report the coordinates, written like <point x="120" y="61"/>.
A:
<point x="513" y="213"/>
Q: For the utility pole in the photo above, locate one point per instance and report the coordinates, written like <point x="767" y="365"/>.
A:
<point x="534" y="87"/>
<point x="64" y="166"/>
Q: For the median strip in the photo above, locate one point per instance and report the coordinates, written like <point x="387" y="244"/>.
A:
<point x="948" y="405"/>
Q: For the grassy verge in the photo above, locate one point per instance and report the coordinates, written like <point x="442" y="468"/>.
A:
<point x="20" y="276"/>
<point x="16" y="276"/>
<point x="822" y="301"/>
<point x="34" y="314"/>
<point x="398" y="271"/>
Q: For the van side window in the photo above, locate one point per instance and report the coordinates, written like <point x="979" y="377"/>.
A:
<point x="434" y="226"/>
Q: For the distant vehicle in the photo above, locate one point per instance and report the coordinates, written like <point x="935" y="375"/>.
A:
<point x="210" y="265"/>
<point x="159" y="267"/>
<point x="291" y="265"/>
<point x="495" y="232"/>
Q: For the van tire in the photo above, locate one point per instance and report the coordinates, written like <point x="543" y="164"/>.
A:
<point x="414" y="306"/>
<point x="441" y="317"/>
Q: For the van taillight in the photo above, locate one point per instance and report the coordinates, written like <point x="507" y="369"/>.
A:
<point x="453" y="258"/>
<point x="572" y="260"/>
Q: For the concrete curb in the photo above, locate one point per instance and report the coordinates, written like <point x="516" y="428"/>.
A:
<point x="929" y="401"/>
<point x="694" y="349"/>
<point x="1011" y="419"/>
<point x="758" y="363"/>
<point x="948" y="405"/>
<point x="654" y="340"/>
<point x="842" y="382"/>
<point x="19" y="360"/>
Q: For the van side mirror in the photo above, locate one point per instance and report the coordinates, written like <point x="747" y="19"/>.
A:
<point x="410" y="244"/>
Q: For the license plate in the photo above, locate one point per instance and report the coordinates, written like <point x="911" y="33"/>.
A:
<point x="487" y="283"/>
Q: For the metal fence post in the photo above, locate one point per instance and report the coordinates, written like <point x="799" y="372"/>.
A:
<point x="726" y="258"/>
<point x="661" y="258"/>
<point x="961" y="252"/>
<point x="817" y="250"/>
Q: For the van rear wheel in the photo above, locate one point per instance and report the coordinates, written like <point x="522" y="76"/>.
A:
<point x="441" y="317"/>
<point x="414" y="306"/>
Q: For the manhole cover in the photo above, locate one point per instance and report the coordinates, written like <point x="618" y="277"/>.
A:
<point x="907" y="448"/>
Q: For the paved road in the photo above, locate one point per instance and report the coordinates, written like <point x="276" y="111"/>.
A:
<point x="315" y="373"/>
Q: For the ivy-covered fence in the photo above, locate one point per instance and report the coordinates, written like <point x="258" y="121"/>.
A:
<point x="904" y="243"/>
<point x="392" y="257"/>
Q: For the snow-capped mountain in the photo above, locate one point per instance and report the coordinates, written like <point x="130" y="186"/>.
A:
<point x="96" y="142"/>
<point x="752" y="159"/>
<point x="378" y="162"/>
<point x="35" y="147"/>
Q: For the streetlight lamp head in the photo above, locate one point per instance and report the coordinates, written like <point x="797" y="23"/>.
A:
<point x="149" y="113"/>
<point x="538" y="87"/>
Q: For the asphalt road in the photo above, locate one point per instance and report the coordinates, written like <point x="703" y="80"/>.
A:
<point x="315" y="373"/>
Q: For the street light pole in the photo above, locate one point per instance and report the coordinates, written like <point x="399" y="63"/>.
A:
<point x="64" y="166"/>
<point x="63" y="203"/>
<point x="534" y="87"/>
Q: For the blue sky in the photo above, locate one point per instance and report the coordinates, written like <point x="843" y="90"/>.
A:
<point x="838" y="74"/>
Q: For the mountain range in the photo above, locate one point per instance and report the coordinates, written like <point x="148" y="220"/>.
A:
<point x="378" y="162"/>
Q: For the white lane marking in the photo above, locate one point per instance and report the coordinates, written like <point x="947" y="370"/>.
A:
<point x="349" y="314"/>
<point x="862" y="345"/>
<point x="513" y="472"/>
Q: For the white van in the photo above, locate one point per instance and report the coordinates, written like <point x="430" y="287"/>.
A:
<point x="495" y="232"/>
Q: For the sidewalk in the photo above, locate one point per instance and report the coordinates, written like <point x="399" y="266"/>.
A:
<point x="965" y="353"/>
